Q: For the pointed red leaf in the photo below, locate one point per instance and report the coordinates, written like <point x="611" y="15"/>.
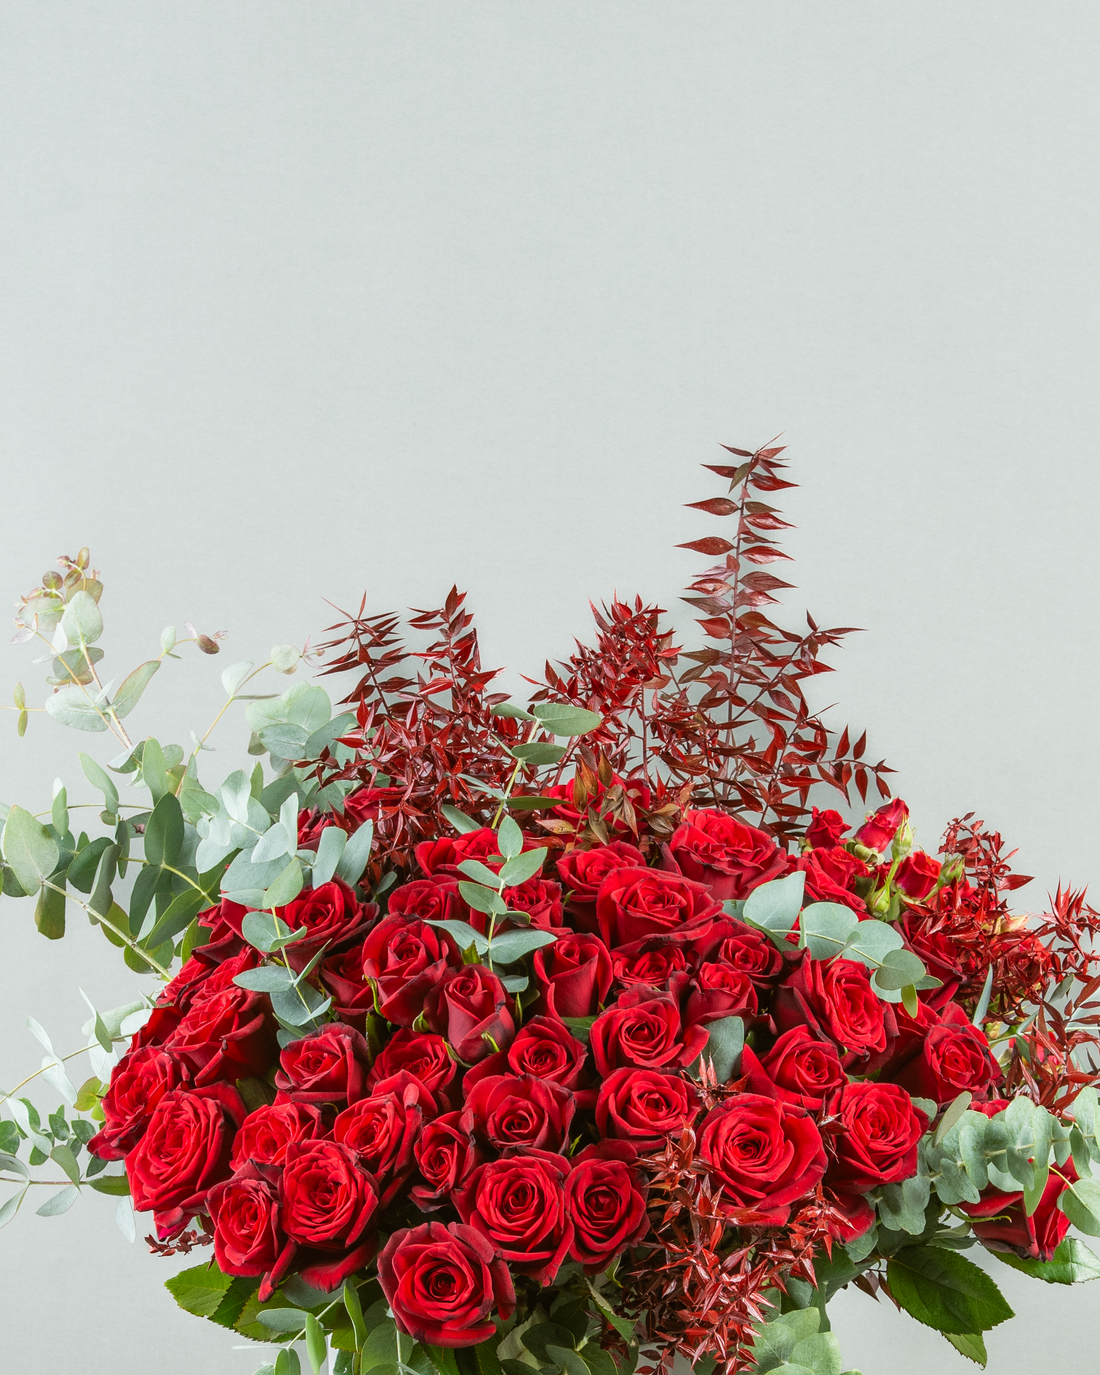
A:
<point x="711" y="545"/>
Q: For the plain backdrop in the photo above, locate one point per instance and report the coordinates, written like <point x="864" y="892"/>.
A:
<point x="298" y="300"/>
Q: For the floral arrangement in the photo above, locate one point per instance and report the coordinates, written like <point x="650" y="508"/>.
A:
<point x="489" y="1039"/>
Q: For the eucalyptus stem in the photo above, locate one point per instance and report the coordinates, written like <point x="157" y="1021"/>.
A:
<point x="60" y="1059"/>
<point x="126" y="939"/>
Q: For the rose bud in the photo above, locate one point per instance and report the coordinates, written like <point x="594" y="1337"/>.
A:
<point x="582" y="871"/>
<point x="140" y="1080"/>
<point x="445" y="1154"/>
<point x="424" y="1055"/>
<point x="332" y="917"/>
<point x="518" y="1204"/>
<point x="633" y="903"/>
<point x="879" y="1141"/>
<point x="916" y="875"/>
<point x="645" y="1106"/>
<point x="605" y="1199"/>
<point x="470" y="1008"/>
<point x="442" y="1283"/>
<point x="406" y="959"/>
<point x="955" y="1058"/>
<point x="228" y="1035"/>
<point x="266" y="1133"/>
<point x="1001" y="1222"/>
<point x="184" y="1153"/>
<point x="573" y="974"/>
<point x="328" y="1065"/>
<point x="719" y="990"/>
<point x="765" y="1154"/>
<point x="881" y="826"/>
<point x="328" y="1200"/>
<point x="825" y="828"/>
<point x="730" y="858"/>
<point x="245" y="1214"/>
<point x="643" y="1029"/>
<point x="520" y="1110"/>
<point x="835" y="999"/>
<point x="799" y="1068"/>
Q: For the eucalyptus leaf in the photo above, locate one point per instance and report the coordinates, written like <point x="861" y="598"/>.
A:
<point x="330" y="847"/>
<point x="513" y="945"/>
<point x="132" y="686"/>
<point x="356" y="854"/>
<point x="464" y="935"/>
<point x="59" y="1203"/>
<point x="71" y="706"/>
<point x="459" y="820"/>
<point x="774" y="906"/>
<point x="522" y="867"/>
<point x="537" y="753"/>
<point x="28" y="848"/>
<point x="99" y="778"/>
<point x="562" y="719"/>
<point x="82" y="620"/>
<point x="287" y="885"/>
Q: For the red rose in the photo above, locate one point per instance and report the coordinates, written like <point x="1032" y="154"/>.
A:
<point x="266" y="1133"/>
<point x="830" y="874"/>
<point x="406" y="960"/>
<point x="633" y="903"/>
<point x="423" y="1054"/>
<point x="643" y="1029"/>
<point x="645" y="1106"/>
<point x="443" y="1282"/>
<point x="650" y="963"/>
<point x="184" y="1153"/>
<point x="443" y="856"/>
<point x="245" y="1213"/>
<point x="955" y="1058"/>
<point x="228" y="1035"/>
<point x="545" y="1048"/>
<point x="764" y="1153"/>
<point x="381" y="1130"/>
<point x="799" y="1068"/>
<point x="342" y="976"/>
<point x="520" y="1110"/>
<point x="470" y="1008"/>
<point x="1002" y="1224"/>
<point x="428" y="899"/>
<point x="570" y="808"/>
<point x="539" y="899"/>
<point x="940" y="956"/>
<point x="731" y="858"/>
<point x="732" y="942"/>
<point x="328" y="1065"/>
<point x="328" y="1200"/>
<point x="201" y="976"/>
<point x="826" y="828"/>
<point x="605" y="1199"/>
<point x="139" y="1081"/>
<point x="582" y="872"/>
<point x="331" y="915"/>
<point x="917" y="874"/>
<point x="835" y="999"/>
<point x="879" y="1141"/>
<point x="574" y="975"/>
<point x="445" y="1154"/>
<point x="719" y="990"/>
<point x="880" y="827"/>
<point x="518" y="1203"/>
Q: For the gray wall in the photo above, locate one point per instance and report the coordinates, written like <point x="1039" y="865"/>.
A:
<point x="301" y="299"/>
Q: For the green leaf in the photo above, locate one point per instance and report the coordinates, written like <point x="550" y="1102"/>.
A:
<point x="356" y="854"/>
<point x="480" y="873"/>
<point x="509" y="839"/>
<point x="826" y="929"/>
<point x="566" y="1359"/>
<point x="330" y="847"/>
<point x="267" y="933"/>
<point x="71" y="706"/>
<point x="983" y="1002"/>
<point x="899" y="969"/>
<point x="287" y="885"/>
<point x="299" y="1006"/>
<point x="154" y="770"/>
<point x="725" y="1042"/>
<point x="513" y="945"/>
<point x="285" y="740"/>
<point x="775" y="906"/>
<point x="945" y="1291"/>
<point x="82" y="871"/>
<point x="580" y="1027"/>
<point x="63" y="1156"/>
<point x="819" y="1353"/>
<point x="537" y="753"/>
<point x="459" y="820"/>
<point x="287" y="1362"/>
<point x="482" y="899"/>
<point x="354" y="1309"/>
<point x="49" y="914"/>
<point x="522" y="867"/>
<point x="59" y="1203"/>
<point x="536" y="1337"/>
<point x="528" y="804"/>
<point x="115" y="1184"/>
<point x="81" y="620"/>
<point x="512" y="712"/>
<point x="177" y="916"/>
<point x="1081" y="1204"/>
<point x="269" y="978"/>
<point x="464" y="935"/>
<point x="133" y="685"/>
<point x="283" y="1319"/>
<point x="969" y="1344"/>
<point x="561" y="719"/>
<point x="199" y="1290"/>
<point x="11" y="1207"/>
<point x="316" y="1349"/>
<point x="164" y="831"/>
<point x="1072" y="1263"/>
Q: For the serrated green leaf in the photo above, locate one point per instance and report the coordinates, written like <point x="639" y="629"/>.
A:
<point x="969" y="1344"/>
<point x="199" y="1290"/>
<point x="945" y="1291"/>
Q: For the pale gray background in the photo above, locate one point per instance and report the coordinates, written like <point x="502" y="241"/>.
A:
<point x="302" y="298"/>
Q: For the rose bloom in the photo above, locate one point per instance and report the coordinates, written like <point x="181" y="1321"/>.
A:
<point x="245" y="1213"/>
<point x="406" y="959"/>
<point x="799" y="1068"/>
<point x="650" y="963"/>
<point x="1002" y="1224"/>
<point x="470" y="1008"/>
<point x="429" y="899"/>
<point x="732" y="942"/>
<point x="445" y="1154"/>
<point x="423" y="1054"/>
<point x="830" y="874"/>
<point x="266" y="1133"/>
<point x="644" y="1029"/>
<point x="328" y="1065"/>
<point x="544" y="1048"/>
<point x="879" y="1141"/>
<point x="331" y="915"/>
<point x="382" y="1129"/>
<point x="328" y="1201"/>
<point x="538" y="898"/>
<point x="720" y="990"/>
<point x="228" y="1035"/>
<point x="573" y="975"/>
<point x="184" y="1153"/>
<point x="834" y="998"/>
<point x="825" y="828"/>
<point x="605" y="1198"/>
<point x="765" y="1154"/>
<point x="955" y="1058"/>
<point x="633" y="903"/>
<point x="731" y="858"/>
<point x="342" y="977"/>
<point x="581" y="873"/>
<point x="442" y="1283"/>
<point x="916" y="875"/>
<point x="140" y="1080"/>
<point x="645" y="1106"/>
<point x="518" y="1204"/>
<point x="880" y="827"/>
<point x="201" y="976"/>
<point x="520" y="1110"/>
<point x="443" y="856"/>
<point x="940" y="956"/>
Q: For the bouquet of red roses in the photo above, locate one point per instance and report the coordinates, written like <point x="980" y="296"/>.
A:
<point x="564" y="1037"/>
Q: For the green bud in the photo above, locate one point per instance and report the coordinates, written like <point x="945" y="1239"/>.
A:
<point x="903" y="840"/>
